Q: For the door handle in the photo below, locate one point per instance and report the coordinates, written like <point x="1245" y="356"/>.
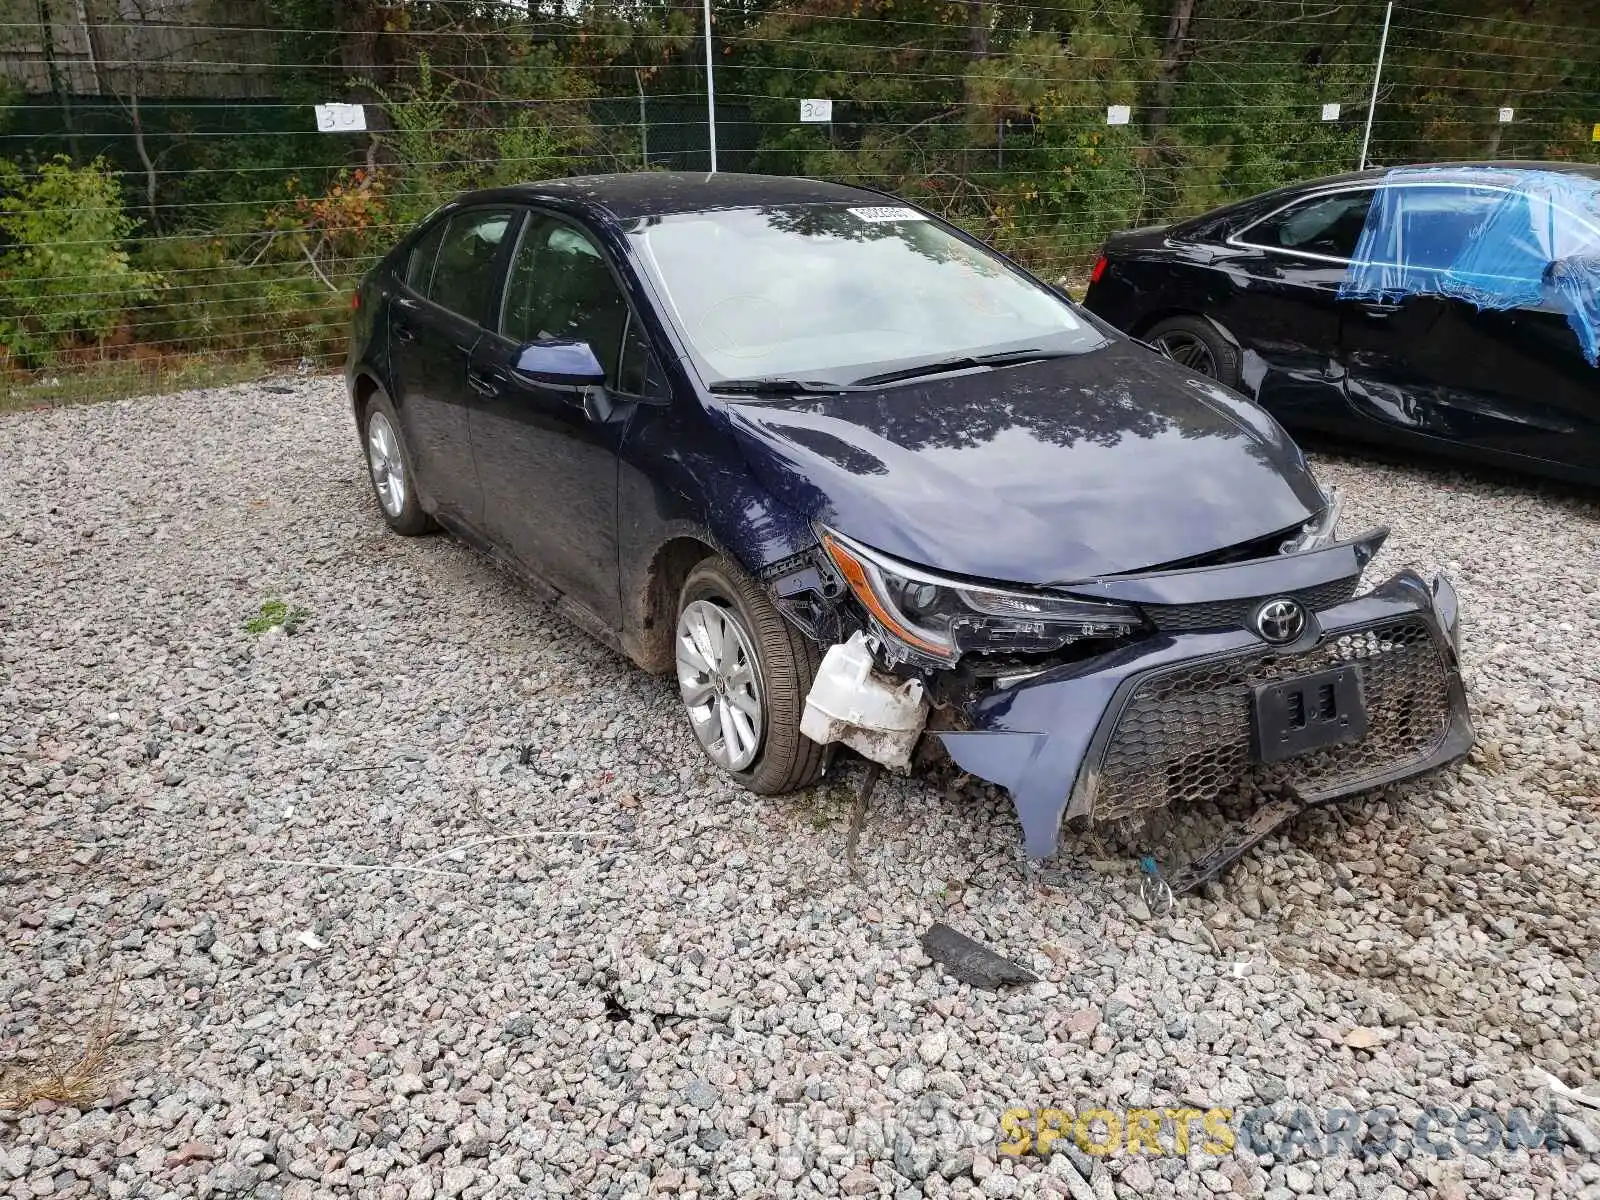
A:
<point x="404" y="332"/>
<point x="1380" y="311"/>
<point x="485" y="383"/>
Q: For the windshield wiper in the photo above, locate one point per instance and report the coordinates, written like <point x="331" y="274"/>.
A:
<point x="776" y="387"/>
<point x="965" y="362"/>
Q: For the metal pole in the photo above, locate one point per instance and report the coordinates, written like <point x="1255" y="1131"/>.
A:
<point x="711" y="88"/>
<point x="1377" y="74"/>
<point x="644" y="125"/>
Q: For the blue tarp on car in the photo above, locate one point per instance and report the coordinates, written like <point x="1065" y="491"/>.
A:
<point x="1510" y="239"/>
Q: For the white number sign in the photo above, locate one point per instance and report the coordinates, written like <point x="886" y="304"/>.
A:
<point x="1330" y="112"/>
<point x="1118" y="114"/>
<point x="816" y="110"/>
<point x="341" y="118"/>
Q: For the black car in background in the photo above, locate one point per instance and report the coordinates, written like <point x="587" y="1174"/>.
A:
<point x="1258" y="296"/>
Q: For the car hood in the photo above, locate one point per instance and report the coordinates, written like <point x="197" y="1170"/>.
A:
<point x="1049" y="472"/>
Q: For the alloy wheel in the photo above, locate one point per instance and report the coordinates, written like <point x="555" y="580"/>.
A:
<point x="1188" y="351"/>
<point x="720" y="680"/>
<point x="388" y="467"/>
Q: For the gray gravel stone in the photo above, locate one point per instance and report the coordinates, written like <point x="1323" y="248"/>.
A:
<point x="688" y="978"/>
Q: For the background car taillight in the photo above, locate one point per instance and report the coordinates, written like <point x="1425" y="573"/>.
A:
<point x="1099" y="269"/>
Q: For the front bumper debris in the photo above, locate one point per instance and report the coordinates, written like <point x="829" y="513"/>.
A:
<point x="878" y="717"/>
<point x="1168" y="721"/>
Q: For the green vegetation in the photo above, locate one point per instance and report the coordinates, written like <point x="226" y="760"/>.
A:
<point x="65" y="275"/>
<point x="189" y="231"/>
<point x="275" y="614"/>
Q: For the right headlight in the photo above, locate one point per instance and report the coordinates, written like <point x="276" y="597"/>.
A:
<point x="1320" y="530"/>
<point x="940" y="618"/>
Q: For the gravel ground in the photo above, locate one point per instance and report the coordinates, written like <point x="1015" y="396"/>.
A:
<point x="686" y="992"/>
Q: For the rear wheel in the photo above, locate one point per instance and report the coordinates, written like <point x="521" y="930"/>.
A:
<point x="743" y="674"/>
<point x="389" y="466"/>
<point x="1196" y="343"/>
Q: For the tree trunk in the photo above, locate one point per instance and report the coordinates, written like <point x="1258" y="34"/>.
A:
<point x="1492" y="148"/>
<point x="977" y="46"/>
<point x="358" y="44"/>
<point x="144" y="154"/>
<point x="363" y="24"/>
<point x="977" y="29"/>
<point x="47" y="34"/>
<point x="89" y="40"/>
<point x="1176" y="51"/>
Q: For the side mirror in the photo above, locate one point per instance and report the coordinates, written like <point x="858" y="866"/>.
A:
<point x="560" y="362"/>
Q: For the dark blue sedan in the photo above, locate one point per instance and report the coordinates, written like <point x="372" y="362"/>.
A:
<point x="857" y="479"/>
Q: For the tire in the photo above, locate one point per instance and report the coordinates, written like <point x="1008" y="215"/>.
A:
<point x="1198" y="344"/>
<point x="784" y="759"/>
<point x="385" y="469"/>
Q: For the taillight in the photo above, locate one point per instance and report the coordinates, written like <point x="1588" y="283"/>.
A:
<point x="1099" y="269"/>
<point x="355" y="300"/>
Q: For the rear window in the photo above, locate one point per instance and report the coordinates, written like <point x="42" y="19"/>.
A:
<point x="1325" y="225"/>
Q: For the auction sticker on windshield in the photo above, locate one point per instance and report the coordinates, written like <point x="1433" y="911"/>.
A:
<point x="884" y="214"/>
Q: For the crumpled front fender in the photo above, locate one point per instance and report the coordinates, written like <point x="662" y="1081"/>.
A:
<point x="1038" y="738"/>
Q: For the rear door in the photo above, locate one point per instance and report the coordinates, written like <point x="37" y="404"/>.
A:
<point x="1502" y="381"/>
<point x="435" y="321"/>
<point x="1286" y="268"/>
<point x="548" y="455"/>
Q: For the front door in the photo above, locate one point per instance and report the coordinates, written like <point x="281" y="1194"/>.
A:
<point x="548" y="455"/>
<point x="435" y="322"/>
<point x="1285" y="271"/>
<point x="1500" y="380"/>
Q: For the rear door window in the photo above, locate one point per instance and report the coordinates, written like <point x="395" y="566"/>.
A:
<point x="464" y="274"/>
<point x="1328" y="225"/>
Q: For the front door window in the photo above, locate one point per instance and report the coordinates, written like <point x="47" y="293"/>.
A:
<point x="560" y="287"/>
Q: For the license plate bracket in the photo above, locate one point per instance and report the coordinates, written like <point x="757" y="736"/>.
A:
<point x="1309" y="712"/>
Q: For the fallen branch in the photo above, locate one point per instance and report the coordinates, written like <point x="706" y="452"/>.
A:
<point x="1567" y="1093"/>
<point x="265" y="246"/>
<point x="344" y="866"/>
<point x="311" y="258"/>
<point x="534" y="835"/>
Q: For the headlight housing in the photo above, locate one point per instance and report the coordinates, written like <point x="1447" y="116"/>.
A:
<point x="1320" y="530"/>
<point x="940" y="619"/>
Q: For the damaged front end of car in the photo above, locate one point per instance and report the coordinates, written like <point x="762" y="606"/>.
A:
<point x="1111" y="699"/>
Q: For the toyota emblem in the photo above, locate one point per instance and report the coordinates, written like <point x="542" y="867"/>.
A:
<point x="1281" y="620"/>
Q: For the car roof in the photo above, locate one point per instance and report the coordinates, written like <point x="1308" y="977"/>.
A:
<point x="1291" y="190"/>
<point x="658" y="193"/>
<point x="1509" y="166"/>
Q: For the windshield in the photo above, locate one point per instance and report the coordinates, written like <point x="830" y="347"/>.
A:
<point x="837" y="293"/>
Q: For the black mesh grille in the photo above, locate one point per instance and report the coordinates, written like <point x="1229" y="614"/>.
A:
<point x="1184" y="735"/>
<point x="1233" y="614"/>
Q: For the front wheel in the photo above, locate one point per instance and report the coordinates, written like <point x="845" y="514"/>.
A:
<point x="1196" y="343"/>
<point x="744" y="673"/>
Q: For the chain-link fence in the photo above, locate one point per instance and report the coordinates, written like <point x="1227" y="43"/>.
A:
<point x="171" y="208"/>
